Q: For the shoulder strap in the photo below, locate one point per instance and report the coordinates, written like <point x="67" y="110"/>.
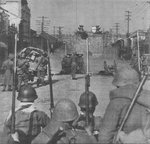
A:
<point x="31" y="123"/>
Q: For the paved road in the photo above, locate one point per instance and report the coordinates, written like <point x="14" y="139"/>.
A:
<point x="64" y="87"/>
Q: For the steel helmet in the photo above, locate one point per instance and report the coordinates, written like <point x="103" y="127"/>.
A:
<point x="27" y="94"/>
<point x="125" y="76"/>
<point x="92" y="100"/>
<point x="65" y="110"/>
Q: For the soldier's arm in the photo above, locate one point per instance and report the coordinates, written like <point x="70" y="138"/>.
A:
<point x="48" y="134"/>
<point x="110" y="122"/>
<point x="42" y="138"/>
<point x="43" y="119"/>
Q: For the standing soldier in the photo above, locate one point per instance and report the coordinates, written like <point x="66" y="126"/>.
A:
<point x="126" y="80"/>
<point x="73" y="66"/>
<point x="94" y="122"/>
<point x="28" y="120"/>
<point x="41" y="68"/>
<point x="7" y="66"/>
<point x="60" y="130"/>
<point x="22" y="70"/>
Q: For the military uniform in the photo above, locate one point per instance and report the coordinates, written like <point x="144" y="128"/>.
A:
<point x="41" y="69"/>
<point x="126" y="80"/>
<point x="60" y="129"/>
<point x="22" y="72"/>
<point x="28" y="120"/>
<point x="94" y="122"/>
<point x="7" y="66"/>
<point x="73" y="66"/>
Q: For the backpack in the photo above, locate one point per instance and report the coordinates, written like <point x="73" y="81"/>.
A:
<point x="23" y="126"/>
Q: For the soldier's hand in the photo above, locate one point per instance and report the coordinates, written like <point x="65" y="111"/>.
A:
<point x="15" y="137"/>
<point x="89" y="130"/>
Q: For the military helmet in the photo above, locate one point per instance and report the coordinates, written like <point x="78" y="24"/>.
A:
<point x="92" y="100"/>
<point x="65" y="110"/>
<point x="124" y="76"/>
<point x="27" y="94"/>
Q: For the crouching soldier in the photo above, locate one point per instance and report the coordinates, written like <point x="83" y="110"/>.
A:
<point x="60" y="130"/>
<point x="94" y="122"/>
<point x="28" y="120"/>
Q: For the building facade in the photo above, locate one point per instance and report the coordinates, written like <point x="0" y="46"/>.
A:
<point x="24" y="26"/>
<point x="20" y="18"/>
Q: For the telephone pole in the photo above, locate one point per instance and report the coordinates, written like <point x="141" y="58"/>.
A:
<point x="128" y="20"/>
<point x="54" y="27"/>
<point x="43" y="24"/>
<point x="117" y="30"/>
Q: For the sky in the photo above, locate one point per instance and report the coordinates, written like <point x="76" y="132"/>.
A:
<point x="71" y="13"/>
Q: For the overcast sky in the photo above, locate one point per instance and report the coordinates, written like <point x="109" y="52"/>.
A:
<point x="71" y="13"/>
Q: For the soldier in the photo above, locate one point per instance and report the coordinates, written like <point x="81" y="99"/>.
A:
<point x="126" y="80"/>
<point x="7" y="66"/>
<point x="106" y="68"/>
<point x="73" y="66"/>
<point x="94" y="122"/>
<point x="41" y="69"/>
<point x="29" y="120"/>
<point x="22" y="70"/>
<point x="60" y="129"/>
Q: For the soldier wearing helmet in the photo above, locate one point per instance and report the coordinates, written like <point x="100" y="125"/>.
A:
<point x="60" y="129"/>
<point x="73" y="66"/>
<point x="7" y="67"/>
<point x="126" y="81"/>
<point x="94" y="122"/>
<point x="29" y="121"/>
<point x="42" y="62"/>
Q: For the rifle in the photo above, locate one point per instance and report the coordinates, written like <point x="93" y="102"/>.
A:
<point x="87" y="85"/>
<point x="116" y="139"/>
<point x="14" y="89"/>
<point x="50" y="81"/>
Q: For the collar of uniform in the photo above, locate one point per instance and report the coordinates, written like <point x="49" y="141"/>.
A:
<point x="27" y="107"/>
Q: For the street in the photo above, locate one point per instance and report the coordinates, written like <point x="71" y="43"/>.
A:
<point x="65" y="87"/>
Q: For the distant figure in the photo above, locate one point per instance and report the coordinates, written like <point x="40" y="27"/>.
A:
<point x="73" y="66"/>
<point x="106" y="68"/>
<point x="7" y="67"/>
<point x="41" y="69"/>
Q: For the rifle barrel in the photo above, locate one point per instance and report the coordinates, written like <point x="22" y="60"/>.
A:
<point x="14" y="89"/>
<point x="50" y="80"/>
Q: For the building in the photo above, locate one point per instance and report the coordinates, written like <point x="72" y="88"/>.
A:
<point x="40" y="40"/>
<point x="24" y="26"/>
<point x="20" y="18"/>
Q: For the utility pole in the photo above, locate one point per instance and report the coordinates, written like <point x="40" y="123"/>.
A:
<point x="42" y="27"/>
<point x="128" y="20"/>
<point x="54" y="27"/>
<point x="117" y="30"/>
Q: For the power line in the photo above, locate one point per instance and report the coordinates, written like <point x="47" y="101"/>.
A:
<point x="117" y="29"/>
<point x="128" y="20"/>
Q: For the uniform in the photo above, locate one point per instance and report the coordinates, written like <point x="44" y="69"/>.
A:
<point x="69" y="135"/>
<point x="22" y="72"/>
<point x="28" y="120"/>
<point x="94" y="121"/>
<point x="41" y="69"/>
<point x="60" y="129"/>
<point x="73" y="66"/>
<point x="126" y="80"/>
<point x="8" y="76"/>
